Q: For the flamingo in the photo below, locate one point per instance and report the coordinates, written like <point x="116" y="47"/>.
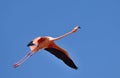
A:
<point x="47" y="43"/>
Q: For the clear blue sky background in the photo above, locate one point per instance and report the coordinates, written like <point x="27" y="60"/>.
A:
<point x="95" y="48"/>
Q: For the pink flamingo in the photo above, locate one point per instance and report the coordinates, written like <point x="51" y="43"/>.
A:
<point x="47" y="43"/>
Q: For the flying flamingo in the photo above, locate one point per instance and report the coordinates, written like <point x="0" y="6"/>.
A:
<point x="47" y="43"/>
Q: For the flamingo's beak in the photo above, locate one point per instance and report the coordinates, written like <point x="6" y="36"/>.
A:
<point x="79" y="27"/>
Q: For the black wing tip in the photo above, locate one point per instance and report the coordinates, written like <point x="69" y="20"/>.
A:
<point x="30" y="43"/>
<point x="66" y="60"/>
<point x="75" y="68"/>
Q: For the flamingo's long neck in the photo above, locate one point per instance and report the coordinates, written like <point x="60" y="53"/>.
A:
<point x="74" y="30"/>
<point x="63" y="35"/>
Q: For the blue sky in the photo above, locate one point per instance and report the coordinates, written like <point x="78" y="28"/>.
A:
<point x="95" y="48"/>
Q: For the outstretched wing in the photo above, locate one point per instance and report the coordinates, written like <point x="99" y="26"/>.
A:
<point x="61" y="54"/>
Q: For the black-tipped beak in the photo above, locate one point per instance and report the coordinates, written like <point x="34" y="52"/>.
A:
<point x="30" y="44"/>
<point x="79" y="27"/>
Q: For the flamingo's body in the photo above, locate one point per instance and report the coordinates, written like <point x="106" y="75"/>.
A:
<point x="47" y="43"/>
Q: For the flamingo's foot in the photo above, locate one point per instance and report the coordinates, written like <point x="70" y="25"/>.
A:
<point x="16" y="65"/>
